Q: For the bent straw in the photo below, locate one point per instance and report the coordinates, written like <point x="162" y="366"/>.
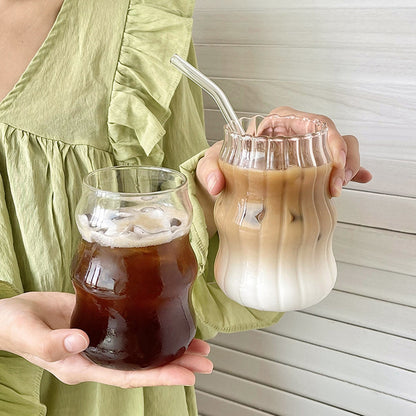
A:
<point x="211" y="88"/>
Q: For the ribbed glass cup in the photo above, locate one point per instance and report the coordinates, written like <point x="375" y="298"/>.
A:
<point x="275" y="217"/>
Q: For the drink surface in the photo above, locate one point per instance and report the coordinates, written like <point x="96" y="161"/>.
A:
<point x="275" y="230"/>
<point x="133" y="301"/>
<point x="133" y="226"/>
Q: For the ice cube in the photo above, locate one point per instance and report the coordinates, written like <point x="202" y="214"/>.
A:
<point x="153" y="211"/>
<point x="83" y="221"/>
<point x="119" y="225"/>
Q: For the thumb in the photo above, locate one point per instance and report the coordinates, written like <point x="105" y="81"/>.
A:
<point x="76" y="342"/>
<point x="208" y="171"/>
<point x="57" y="344"/>
<point x="38" y="339"/>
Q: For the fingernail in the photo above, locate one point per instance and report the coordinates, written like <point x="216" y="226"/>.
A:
<point x="337" y="186"/>
<point x="342" y="158"/>
<point x="75" y="343"/>
<point x="211" y="181"/>
<point x="348" y="176"/>
<point x="208" y="371"/>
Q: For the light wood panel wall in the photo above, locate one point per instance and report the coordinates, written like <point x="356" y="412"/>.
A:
<point x="354" y="61"/>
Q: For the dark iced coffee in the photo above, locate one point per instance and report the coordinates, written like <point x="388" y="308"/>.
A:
<point x="133" y="272"/>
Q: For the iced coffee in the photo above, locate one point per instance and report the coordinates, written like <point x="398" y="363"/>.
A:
<point x="275" y="217"/>
<point x="134" y="269"/>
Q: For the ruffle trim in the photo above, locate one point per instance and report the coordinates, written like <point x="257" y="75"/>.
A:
<point x="145" y="81"/>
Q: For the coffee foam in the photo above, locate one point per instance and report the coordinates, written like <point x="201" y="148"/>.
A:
<point x="130" y="227"/>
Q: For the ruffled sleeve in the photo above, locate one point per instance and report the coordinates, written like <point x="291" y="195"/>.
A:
<point x="145" y="81"/>
<point x="155" y="117"/>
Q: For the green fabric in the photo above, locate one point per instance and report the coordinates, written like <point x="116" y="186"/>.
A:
<point x="99" y="92"/>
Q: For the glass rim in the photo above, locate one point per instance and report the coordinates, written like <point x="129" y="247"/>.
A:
<point x="323" y="128"/>
<point x="183" y="184"/>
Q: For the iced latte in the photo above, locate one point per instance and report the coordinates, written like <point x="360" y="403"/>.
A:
<point x="275" y="217"/>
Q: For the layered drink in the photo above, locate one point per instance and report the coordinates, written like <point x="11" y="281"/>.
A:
<point x="275" y="217"/>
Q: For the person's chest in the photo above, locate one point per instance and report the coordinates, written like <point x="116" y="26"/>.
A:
<point x="24" y="25"/>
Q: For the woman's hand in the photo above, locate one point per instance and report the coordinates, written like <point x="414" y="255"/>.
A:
<point x="35" y="325"/>
<point x="344" y="149"/>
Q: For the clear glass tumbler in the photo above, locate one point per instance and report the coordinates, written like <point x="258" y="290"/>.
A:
<point x="275" y="217"/>
<point x="134" y="267"/>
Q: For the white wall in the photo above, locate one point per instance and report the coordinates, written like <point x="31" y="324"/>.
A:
<point x="355" y="61"/>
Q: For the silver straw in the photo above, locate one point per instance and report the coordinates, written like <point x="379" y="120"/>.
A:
<point x="211" y="88"/>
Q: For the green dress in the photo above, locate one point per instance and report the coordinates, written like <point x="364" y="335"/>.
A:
<point x="99" y="92"/>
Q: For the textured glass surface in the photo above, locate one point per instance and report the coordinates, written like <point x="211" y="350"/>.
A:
<point x="275" y="217"/>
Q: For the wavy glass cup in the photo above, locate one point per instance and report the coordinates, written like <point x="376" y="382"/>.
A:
<point x="134" y="267"/>
<point x="275" y="217"/>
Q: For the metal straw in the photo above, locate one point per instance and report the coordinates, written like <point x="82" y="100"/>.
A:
<point x="211" y="88"/>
